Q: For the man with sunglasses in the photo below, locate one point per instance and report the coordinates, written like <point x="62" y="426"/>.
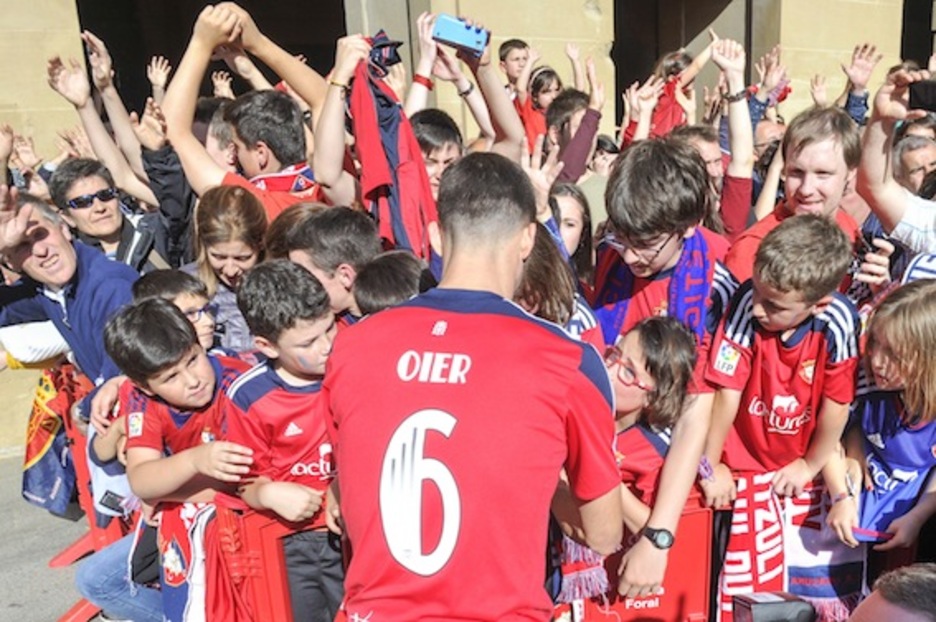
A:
<point x="83" y="189"/>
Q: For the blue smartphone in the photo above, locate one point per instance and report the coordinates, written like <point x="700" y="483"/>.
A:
<point x="457" y="34"/>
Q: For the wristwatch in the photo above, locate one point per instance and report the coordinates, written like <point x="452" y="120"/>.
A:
<point x="661" y="538"/>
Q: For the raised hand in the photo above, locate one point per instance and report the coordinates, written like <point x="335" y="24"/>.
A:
<point x="13" y="224"/>
<point x="216" y="25"/>
<point x="102" y="66"/>
<point x="428" y="48"/>
<point x="863" y="61"/>
<point x="157" y="72"/>
<point x="817" y="89"/>
<point x="446" y="67"/>
<point x="648" y="95"/>
<point x="70" y="82"/>
<point x="221" y="82"/>
<point x="892" y="100"/>
<point x="542" y="175"/>
<point x="6" y="142"/>
<point x="150" y="129"/>
<point x="25" y="151"/>
<point x="77" y="139"/>
<point x="729" y="56"/>
<point x="572" y="52"/>
<point x="250" y="35"/>
<point x="596" y="94"/>
<point x="350" y="51"/>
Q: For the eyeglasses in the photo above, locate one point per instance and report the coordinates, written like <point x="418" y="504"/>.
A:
<point x="195" y="315"/>
<point x="626" y="374"/>
<point x="622" y="247"/>
<point x="87" y="200"/>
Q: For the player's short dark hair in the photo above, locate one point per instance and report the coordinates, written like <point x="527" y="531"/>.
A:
<point x="168" y="284"/>
<point x="391" y="278"/>
<point x="336" y="236"/>
<point x="274" y="295"/>
<point x="509" y="46"/>
<point x="272" y="117"/>
<point x="71" y="171"/>
<point x="485" y="196"/>
<point x="434" y="129"/>
<point x="566" y="104"/>
<point x="148" y="337"/>
<point x="910" y="587"/>
<point x="657" y="187"/>
<point x="807" y="253"/>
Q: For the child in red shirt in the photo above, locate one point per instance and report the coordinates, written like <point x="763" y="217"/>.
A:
<point x="783" y="362"/>
<point x="276" y="410"/>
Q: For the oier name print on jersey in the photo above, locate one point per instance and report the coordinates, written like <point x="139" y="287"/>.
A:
<point x="433" y="367"/>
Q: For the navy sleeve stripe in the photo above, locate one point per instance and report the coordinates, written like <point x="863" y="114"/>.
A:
<point x="593" y="367"/>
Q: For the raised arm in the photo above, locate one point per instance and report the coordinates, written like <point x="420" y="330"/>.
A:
<point x="523" y="80"/>
<point x="417" y="98"/>
<point x="509" y="135"/>
<point x="6" y="149"/>
<point x="328" y="160"/>
<point x="71" y="83"/>
<point x="578" y="69"/>
<point x="214" y="26"/>
<point x="103" y="74"/>
<point x="689" y="73"/>
<point x="730" y="58"/>
<point x="157" y="72"/>
<point x="239" y="62"/>
<point x="876" y="182"/>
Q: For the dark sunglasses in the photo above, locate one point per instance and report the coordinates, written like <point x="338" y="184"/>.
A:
<point x="87" y="200"/>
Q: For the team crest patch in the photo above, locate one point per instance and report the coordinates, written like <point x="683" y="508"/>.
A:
<point x="173" y="563"/>
<point x="207" y="436"/>
<point x="727" y="360"/>
<point x="135" y="425"/>
<point x="808" y="370"/>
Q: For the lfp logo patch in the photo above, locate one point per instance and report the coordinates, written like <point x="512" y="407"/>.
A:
<point x="727" y="360"/>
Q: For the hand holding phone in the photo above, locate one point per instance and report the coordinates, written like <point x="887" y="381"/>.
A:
<point x="458" y="34"/>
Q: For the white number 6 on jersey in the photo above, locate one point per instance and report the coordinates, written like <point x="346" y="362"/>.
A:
<point x="401" y="480"/>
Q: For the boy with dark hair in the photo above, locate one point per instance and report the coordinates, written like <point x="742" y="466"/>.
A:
<point x="276" y="409"/>
<point x="514" y="55"/>
<point x="186" y="292"/>
<point x="174" y="462"/>
<point x="435" y="390"/>
<point x="334" y="245"/>
<point x="391" y="278"/>
<point x="658" y="261"/>
<point x="783" y="362"/>
<point x="268" y="127"/>
<point x="440" y="141"/>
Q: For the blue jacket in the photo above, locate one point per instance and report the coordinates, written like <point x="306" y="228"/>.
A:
<point x="99" y="289"/>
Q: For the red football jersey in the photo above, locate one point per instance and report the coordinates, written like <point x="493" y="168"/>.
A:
<point x="285" y="427"/>
<point x="452" y="415"/>
<point x="153" y="423"/>
<point x="783" y="382"/>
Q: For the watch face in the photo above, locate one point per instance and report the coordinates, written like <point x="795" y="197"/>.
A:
<point x="661" y="538"/>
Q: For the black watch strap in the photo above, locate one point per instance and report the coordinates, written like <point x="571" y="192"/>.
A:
<point x="661" y="538"/>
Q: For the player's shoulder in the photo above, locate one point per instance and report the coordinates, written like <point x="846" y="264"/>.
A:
<point x="840" y="313"/>
<point x="739" y="319"/>
<point x="922" y="266"/>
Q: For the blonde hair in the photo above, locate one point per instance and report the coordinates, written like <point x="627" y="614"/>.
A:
<point x="906" y="322"/>
<point x="227" y="214"/>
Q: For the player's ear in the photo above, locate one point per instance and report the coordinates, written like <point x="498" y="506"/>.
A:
<point x="267" y="347"/>
<point x="435" y="237"/>
<point x="821" y="305"/>
<point x="527" y="239"/>
<point x="143" y="387"/>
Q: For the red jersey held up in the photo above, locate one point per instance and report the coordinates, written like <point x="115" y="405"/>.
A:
<point x="782" y="381"/>
<point x="449" y="437"/>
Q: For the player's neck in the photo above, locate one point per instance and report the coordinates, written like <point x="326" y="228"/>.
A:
<point x="480" y="272"/>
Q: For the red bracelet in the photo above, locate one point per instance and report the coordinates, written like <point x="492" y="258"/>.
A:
<point x="426" y="82"/>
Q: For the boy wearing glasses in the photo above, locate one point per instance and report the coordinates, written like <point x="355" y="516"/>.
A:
<point x="84" y="190"/>
<point x="783" y="363"/>
<point x="660" y="261"/>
